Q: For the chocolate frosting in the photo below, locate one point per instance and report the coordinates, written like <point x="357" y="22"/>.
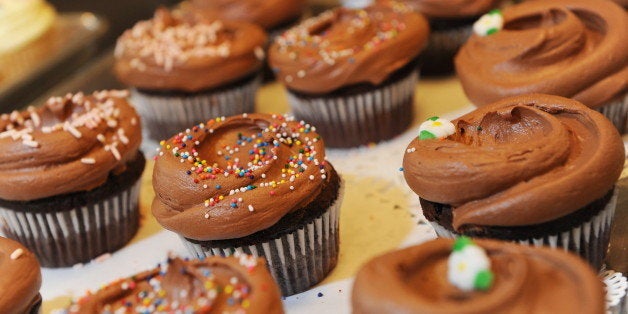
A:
<point x="571" y="48"/>
<point x="266" y="13"/>
<point x="215" y="285"/>
<point x="527" y="280"/>
<point x="20" y="278"/>
<point x="232" y="177"/>
<point x="343" y="47"/>
<point x="521" y="161"/>
<point x="70" y="144"/>
<point x="187" y="53"/>
<point x="452" y="8"/>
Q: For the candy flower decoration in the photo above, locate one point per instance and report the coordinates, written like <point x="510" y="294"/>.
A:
<point x="468" y="267"/>
<point x="489" y="23"/>
<point x="437" y="128"/>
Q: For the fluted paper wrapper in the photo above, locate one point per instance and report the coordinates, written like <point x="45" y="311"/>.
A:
<point x="297" y="260"/>
<point x="617" y="112"/>
<point x="442" y="46"/>
<point x="62" y="238"/>
<point x="359" y="119"/>
<point x="166" y="115"/>
<point x="589" y="239"/>
<point x="616" y="285"/>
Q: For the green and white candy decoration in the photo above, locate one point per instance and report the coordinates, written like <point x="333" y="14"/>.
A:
<point x="490" y="23"/>
<point x="436" y="127"/>
<point x="468" y="267"/>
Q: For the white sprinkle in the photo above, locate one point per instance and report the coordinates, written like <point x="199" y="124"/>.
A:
<point x="115" y="152"/>
<point x="72" y="130"/>
<point x="133" y="121"/>
<point x="311" y="177"/>
<point x="30" y="143"/>
<point x="16" y="254"/>
<point x="88" y="161"/>
<point x="251" y="208"/>
<point x="206" y="215"/>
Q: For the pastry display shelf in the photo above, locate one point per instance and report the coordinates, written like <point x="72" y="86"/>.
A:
<point x="39" y="65"/>
<point x="379" y="212"/>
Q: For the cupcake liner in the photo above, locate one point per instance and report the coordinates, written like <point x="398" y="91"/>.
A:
<point x="442" y="46"/>
<point x="616" y="285"/>
<point x="297" y="260"/>
<point x="359" y="119"/>
<point x="617" y="112"/>
<point x="61" y="238"/>
<point x="589" y="239"/>
<point x="166" y="115"/>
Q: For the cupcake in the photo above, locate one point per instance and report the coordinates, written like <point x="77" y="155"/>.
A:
<point x="483" y="276"/>
<point x="352" y="73"/>
<point x="256" y="184"/>
<point x="571" y="48"/>
<point x="22" y="22"/>
<point x="451" y="24"/>
<point x="534" y="169"/>
<point x="185" y="69"/>
<point x="214" y="285"/>
<point x="20" y="280"/>
<point x="69" y="176"/>
<point x="273" y="15"/>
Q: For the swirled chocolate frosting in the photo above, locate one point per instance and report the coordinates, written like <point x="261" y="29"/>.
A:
<point x="187" y="53"/>
<point x="527" y="280"/>
<point x="20" y="278"/>
<point x="266" y="13"/>
<point x="520" y="161"/>
<point x="343" y="47"/>
<point x="452" y="8"/>
<point x="70" y="144"/>
<point x="239" y="284"/>
<point x="572" y="48"/>
<point x="232" y="177"/>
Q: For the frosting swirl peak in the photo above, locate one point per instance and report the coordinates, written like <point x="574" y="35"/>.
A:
<point x="343" y="47"/>
<point x="71" y="144"/>
<point x="521" y="161"/>
<point x="571" y="48"/>
<point x="232" y="177"/>
<point x="187" y="53"/>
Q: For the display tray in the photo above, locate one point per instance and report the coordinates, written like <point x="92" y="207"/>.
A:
<point x="37" y="66"/>
<point x="379" y="212"/>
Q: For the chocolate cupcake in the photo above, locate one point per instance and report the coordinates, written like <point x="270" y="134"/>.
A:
<point x="257" y="184"/>
<point x="451" y="24"/>
<point x="184" y="70"/>
<point x="570" y="48"/>
<point x="443" y="276"/>
<point x="214" y="285"/>
<point x="20" y="280"/>
<point x="352" y="73"/>
<point x="275" y="16"/>
<point x="69" y="176"/>
<point x="534" y="169"/>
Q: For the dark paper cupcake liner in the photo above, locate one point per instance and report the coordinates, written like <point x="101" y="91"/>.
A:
<point x="590" y="239"/>
<point x="165" y="115"/>
<point x="617" y="112"/>
<point x="359" y="119"/>
<point x="442" y="46"/>
<point x="297" y="260"/>
<point x="62" y="238"/>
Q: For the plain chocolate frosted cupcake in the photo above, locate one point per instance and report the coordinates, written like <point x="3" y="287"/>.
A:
<point x="69" y="176"/>
<point x="536" y="169"/>
<point x="186" y="69"/>
<point x="257" y="184"/>
<point x="239" y="284"/>
<point x="451" y="24"/>
<point x="352" y="73"/>
<point x="443" y="276"/>
<point x="570" y="48"/>
<point x="20" y="280"/>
